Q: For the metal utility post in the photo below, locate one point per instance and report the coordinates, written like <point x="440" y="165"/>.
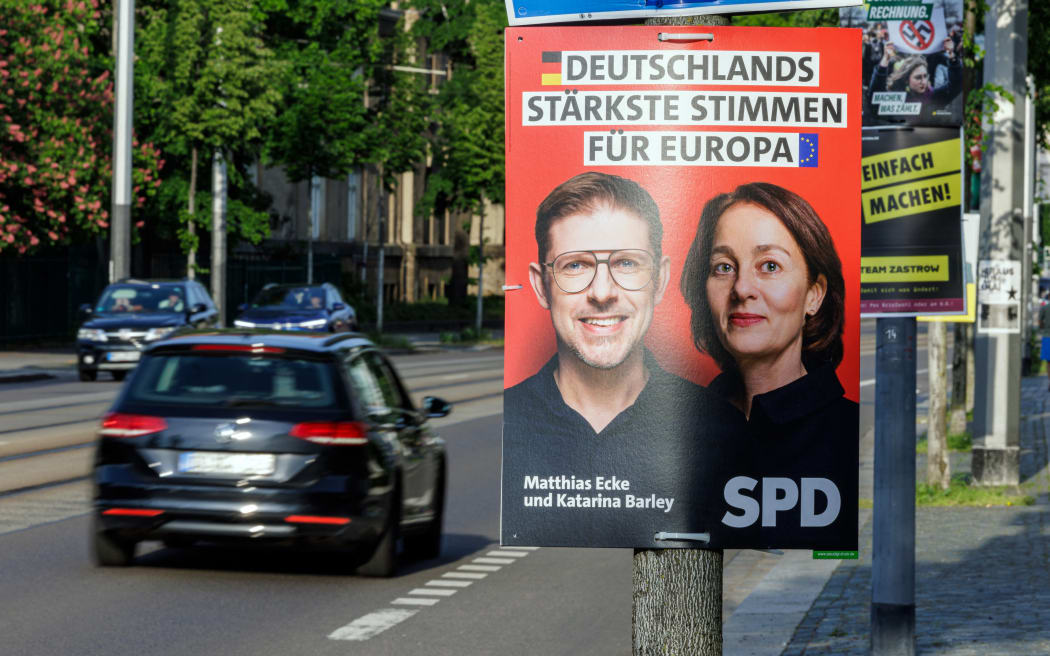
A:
<point x="315" y="204"/>
<point x="893" y="548"/>
<point x="996" y="453"/>
<point x="218" y="234"/>
<point x="120" y="219"/>
<point x="481" y="271"/>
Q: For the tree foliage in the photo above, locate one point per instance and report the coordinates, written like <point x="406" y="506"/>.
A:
<point x="467" y="137"/>
<point x="206" y="82"/>
<point x="56" y="121"/>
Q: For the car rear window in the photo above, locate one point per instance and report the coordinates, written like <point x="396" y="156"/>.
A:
<point x="234" y="380"/>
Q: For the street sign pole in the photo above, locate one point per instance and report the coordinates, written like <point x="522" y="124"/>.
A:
<point x="893" y="553"/>
<point x="120" y="219"/>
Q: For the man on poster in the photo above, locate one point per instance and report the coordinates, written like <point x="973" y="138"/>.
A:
<point x="602" y="407"/>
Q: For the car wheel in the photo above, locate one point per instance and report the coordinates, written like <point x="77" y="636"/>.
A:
<point x="383" y="561"/>
<point x="110" y="550"/>
<point x="119" y="375"/>
<point x="86" y="375"/>
<point x="428" y="545"/>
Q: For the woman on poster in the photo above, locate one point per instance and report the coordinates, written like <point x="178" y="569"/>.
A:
<point x="915" y="76"/>
<point x="765" y="288"/>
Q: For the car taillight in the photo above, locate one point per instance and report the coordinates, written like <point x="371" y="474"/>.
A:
<point x="343" y="433"/>
<point x="118" y="424"/>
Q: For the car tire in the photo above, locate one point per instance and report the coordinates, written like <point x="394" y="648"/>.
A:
<point x="427" y="545"/>
<point x="86" y="375"/>
<point x="119" y="375"/>
<point x="109" y="550"/>
<point x="383" y="561"/>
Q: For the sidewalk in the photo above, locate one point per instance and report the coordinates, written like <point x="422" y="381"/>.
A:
<point x="982" y="574"/>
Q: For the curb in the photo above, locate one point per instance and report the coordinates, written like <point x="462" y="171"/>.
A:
<point x="25" y="378"/>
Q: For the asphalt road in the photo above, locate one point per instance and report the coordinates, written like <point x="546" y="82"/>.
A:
<point x="476" y="599"/>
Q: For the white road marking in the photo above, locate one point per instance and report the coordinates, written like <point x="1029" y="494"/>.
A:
<point x="455" y="376"/>
<point x="494" y="561"/>
<point x="463" y="575"/>
<point x="449" y="584"/>
<point x="506" y="554"/>
<point x="415" y="601"/>
<point x="371" y="625"/>
<point x="440" y="592"/>
<point x="520" y="548"/>
<point x="480" y="568"/>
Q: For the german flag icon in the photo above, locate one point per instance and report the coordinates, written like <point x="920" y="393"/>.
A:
<point x="550" y="71"/>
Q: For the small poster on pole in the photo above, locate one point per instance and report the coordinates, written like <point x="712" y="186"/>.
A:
<point x="999" y="296"/>
<point x="682" y="360"/>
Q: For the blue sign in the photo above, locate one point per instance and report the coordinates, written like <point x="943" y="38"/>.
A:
<point x="536" y="12"/>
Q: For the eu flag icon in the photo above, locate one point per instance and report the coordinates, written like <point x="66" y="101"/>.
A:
<point x="807" y="150"/>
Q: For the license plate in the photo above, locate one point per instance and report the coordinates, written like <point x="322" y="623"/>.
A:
<point x="123" y="356"/>
<point x="234" y="464"/>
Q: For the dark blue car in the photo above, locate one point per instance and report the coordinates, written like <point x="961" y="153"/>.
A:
<point x="314" y="308"/>
<point x="130" y="315"/>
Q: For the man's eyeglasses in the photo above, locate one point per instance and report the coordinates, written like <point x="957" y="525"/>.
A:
<point x="630" y="268"/>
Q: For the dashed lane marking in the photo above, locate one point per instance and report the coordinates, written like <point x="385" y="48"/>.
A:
<point x="372" y="624"/>
<point x="416" y="601"/>
<point x="480" y="568"/>
<point x="463" y="575"/>
<point x="441" y="583"/>
<point x="440" y="592"/>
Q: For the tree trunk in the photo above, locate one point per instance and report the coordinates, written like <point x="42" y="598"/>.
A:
<point x="191" y="207"/>
<point x="218" y="235"/>
<point x="677" y="602"/>
<point x="957" y="410"/>
<point x="677" y="606"/>
<point x="457" y="287"/>
<point x="938" y="469"/>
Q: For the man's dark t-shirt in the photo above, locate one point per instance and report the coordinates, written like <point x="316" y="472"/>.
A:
<point x="649" y="470"/>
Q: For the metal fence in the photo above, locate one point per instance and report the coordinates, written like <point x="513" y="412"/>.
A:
<point x="39" y="295"/>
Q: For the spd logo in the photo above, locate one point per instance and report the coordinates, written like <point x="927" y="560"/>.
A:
<point x="917" y="34"/>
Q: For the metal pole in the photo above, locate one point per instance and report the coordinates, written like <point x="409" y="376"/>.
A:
<point x="481" y="271"/>
<point x="315" y="201"/>
<point x="120" y="219"/>
<point x="893" y="553"/>
<point x="218" y="234"/>
<point x="998" y="346"/>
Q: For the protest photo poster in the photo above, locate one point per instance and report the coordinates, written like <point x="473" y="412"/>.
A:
<point x="911" y="207"/>
<point x="911" y="60"/>
<point x="681" y="219"/>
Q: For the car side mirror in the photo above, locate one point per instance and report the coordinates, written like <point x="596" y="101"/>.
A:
<point x="338" y="306"/>
<point x="242" y="307"/>
<point x="436" y="407"/>
<point x="199" y="307"/>
<point x="85" y="310"/>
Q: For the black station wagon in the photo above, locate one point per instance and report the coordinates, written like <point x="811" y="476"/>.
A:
<point x="300" y="439"/>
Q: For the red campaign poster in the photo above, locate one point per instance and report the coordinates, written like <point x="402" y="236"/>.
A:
<point x="667" y="373"/>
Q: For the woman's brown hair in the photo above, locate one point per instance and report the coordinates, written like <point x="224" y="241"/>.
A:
<point x="822" y="332"/>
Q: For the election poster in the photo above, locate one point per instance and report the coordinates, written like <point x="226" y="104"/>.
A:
<point x="911" y="210"/>
<point x="912" y="60"/>
<point x="682" y="348"/>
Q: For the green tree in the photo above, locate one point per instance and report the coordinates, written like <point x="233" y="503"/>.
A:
<point x="467" y="163"/>
<point x="206" y="83"/>
<point x="346" y="105"/>
<point x="808" y="18"/>
<point x="56" y="118"/>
